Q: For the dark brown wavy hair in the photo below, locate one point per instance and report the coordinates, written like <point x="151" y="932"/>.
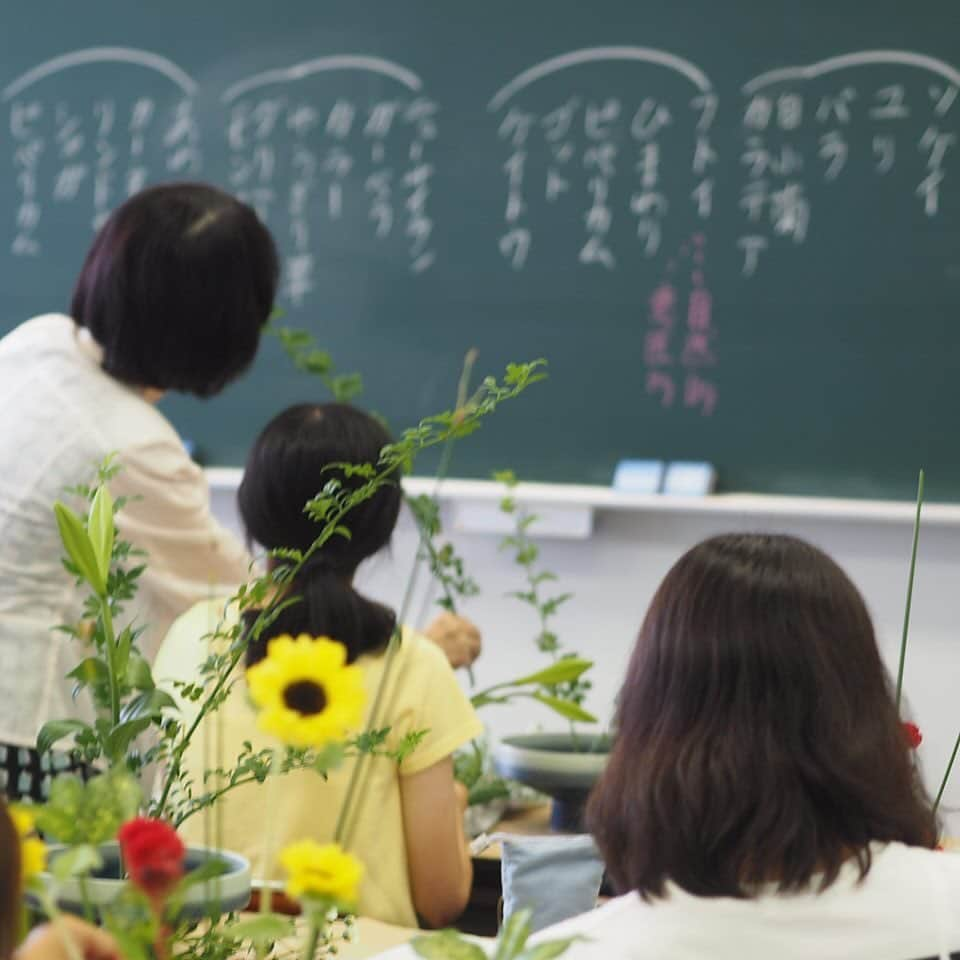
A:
<point x="758" y="740"/>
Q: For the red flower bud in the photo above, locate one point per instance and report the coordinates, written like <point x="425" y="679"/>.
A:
<point x="153" y="854"/>
<point x="912" y="732"/>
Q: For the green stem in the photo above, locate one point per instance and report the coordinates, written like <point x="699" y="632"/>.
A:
<point x="207" y="800"/>
<point x="110" y="645"/>
<point x="176" y="758"/>
<point x="269" y="837"/>
<point x="313" y="938"/>
<point x="946" y="775"/>
<point x="339" y="833"/>
<point x="443" y="469"/>
<point x="88" y="913"/>
<point x="906" y="612"/>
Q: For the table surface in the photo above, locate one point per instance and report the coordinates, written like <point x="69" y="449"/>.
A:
<point x="527" y="821"/>
<point x="374" y="937"/>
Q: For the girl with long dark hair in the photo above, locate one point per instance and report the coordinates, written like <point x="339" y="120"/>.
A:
<point x="406" y="824"/>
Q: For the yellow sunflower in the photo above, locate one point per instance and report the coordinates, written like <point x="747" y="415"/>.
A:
<point x="33" y="853"/>
<point x="321" y="870"/>
<point x="306" y="694"/>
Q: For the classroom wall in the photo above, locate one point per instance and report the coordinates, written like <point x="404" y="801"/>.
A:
<point x="614" y="572"/>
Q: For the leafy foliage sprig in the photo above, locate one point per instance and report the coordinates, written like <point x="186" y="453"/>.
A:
<point x="570" y="686"/>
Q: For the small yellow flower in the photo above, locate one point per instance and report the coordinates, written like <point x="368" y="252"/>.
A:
<point x="306" y="694"/>
<point x="33" y="852"/>
<point x="321" y="870"/>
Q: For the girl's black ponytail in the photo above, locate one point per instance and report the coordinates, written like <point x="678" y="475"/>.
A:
<point x="329" y="606"/>
<point x="289" y="463"/>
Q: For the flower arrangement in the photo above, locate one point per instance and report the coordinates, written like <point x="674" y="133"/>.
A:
<point x="306" y="696"/>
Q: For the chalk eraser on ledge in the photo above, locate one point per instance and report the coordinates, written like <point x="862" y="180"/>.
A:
<point x="638" y="476"/>
<point x="689" y="479"/>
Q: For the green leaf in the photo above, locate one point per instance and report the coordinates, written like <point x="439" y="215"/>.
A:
<point x="90" y="672"/>
<point x="550" y="949"/>
<point x="76" y="862"/>
<point x="346" y="387"/>
<point x="513" y="935"/>
<point x="132" y="944"/>
<point x="446" y="945"/>
<point x="549" y="607"/>
<point x="76" y="541"/>
<point x="265" y="928"/>
<point x="137" y="671"/>
<point x="409" y="744"/>
<point x="317" y="362"/>
<point x="484" y="698"/>
<point x="123" y="734"/>
<point x="54" y="730"/>
<point x="328" y="758"/>
<point x="527" y="555"/>
<point x="543" y="578"/>
<point x="100" y="528"/>
<point x="468" y="767"/>
<point x="565" y="708"/>
<point x="485" y="791"/>
<point x="371" y="740"/>
<point x="147" y="705"/>
<point x="563" y="671"/>
<point x="208" y="870"/>
<point x="91" y="812"/>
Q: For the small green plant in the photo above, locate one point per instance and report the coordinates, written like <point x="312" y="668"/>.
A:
<point x="443" y="561"/>
<point x="571" y="685"/>
<point x="128" y="704"/>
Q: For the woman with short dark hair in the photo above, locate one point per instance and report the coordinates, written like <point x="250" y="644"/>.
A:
<point x="173" y="295"/>
<point x="761" y="799"/>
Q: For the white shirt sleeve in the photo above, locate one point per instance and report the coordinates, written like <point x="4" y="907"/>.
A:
<point x="190" y="556"/>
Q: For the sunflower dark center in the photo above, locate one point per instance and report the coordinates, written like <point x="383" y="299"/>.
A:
<point x="305" y="697"/>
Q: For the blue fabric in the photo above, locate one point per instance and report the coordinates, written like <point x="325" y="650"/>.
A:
<point x="557" y="877"/>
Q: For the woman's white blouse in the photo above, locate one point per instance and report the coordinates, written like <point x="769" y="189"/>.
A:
<point x="60" y="416"/>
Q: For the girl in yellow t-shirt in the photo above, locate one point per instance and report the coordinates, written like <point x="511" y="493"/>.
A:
<point x="406" y="825"/>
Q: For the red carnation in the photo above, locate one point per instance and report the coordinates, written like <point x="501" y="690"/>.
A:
<point x="153" y="855"/>
<point x="914" y="737"/>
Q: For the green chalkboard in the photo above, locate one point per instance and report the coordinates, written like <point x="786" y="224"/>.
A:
<point x="731" y="228"/>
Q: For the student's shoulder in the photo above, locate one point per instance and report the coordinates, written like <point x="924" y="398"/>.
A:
<point x="598" y="932"/>
<point x="421" y="652"/>
<point x="897" y="861"/>
<point x="46" y="331"/>
<point x="196" y="629"/>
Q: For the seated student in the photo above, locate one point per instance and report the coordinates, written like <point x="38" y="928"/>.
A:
<point x="761" y="800"/>
<point x="48" y="941"/>
<point x="407" y="822"/>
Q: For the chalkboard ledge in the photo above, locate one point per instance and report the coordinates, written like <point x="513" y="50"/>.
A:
<point x="567" y="511"/>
